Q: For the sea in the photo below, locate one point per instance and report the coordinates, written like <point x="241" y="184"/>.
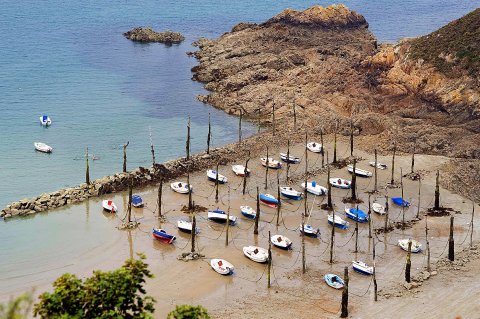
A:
<point x="69" y="59"/>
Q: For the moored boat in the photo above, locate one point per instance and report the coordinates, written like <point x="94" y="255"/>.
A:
<point x="222" y="266"/>
<point x="289" y="159"/>
<point x="290" y="193"/>
<point x="361" y="267"/>
<point x="212" y="175"/>
<point x="239" y="170"/>
<point x="281" y="241"/>
<point x="359" y="172"/>
<point x="356" y="214"/>
<point x="400" y="201"/>
<point x="137" y="201"/>
<point x="334" y="281"/>
<point x="248" y="212"/>
<point x="339" y="221"/>
<point x="314" y="188"/>
<point x="181" y="187"/>
<point x="45" y="120"/>
<point x="220" y="216"/>
<point x="269" y="200"/>
<point x="163" y="236"/>
<point x="340" y="182"/>
<point x="186" y="226"/>
<point x="109" y="206"/>
<point x="314" y="147"/>
<point x="308" y="230"/>
<point x="258" y="254"/>
<point x="416" y="246"/>
<point x="272" y="163"/>
<point x="42" y="147"/>
<point x="378" y="208"/>
<point x="379" y="165"/>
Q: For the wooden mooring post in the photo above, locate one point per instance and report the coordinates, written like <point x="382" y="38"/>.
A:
<point x="129" y="210"/>
<point x="245" y="174"/>
<point x="329" y="190"/>
<point x="356" y="232"/>
<point x="269" y="258"/>
<point x="386" y="214"/>
<point x="187" y="144"/>
<point x="152" y="150"/>
<point x="257" y="217"/>
<point x="419" y="198"/>
<point x="332" y="238"/>
<point x="451" y="242"/>
<point x="216" y="184"/>
<point x="159" y="199"/>
<point x="87" y="172"/>
<point x="240" y="127"/>
<point x="335" y="143"/>
<point x="403" y="199"/>
<point x="323" y="147"/>
<point x="428" y="243"/>
<point x="278" y="206"/>
<point x="266" y="170"/>
<point x="375" y="188"/>
<point x="228" y="218"/>
<point x="209" y="136"/>
<point x="369" y="217"/>
<point x="351" y="137"/>
<point x="408" y="266"/>
<point x="471" y="225"/>
<point x="125" y="157"/>
<point x="375" y="287"/>
<point x="344" y="313"/>
<point x="194" y="232"/>
<point x="392" y="180"/>
<point x="288" y="160"/>
<point x="437" y="192"/>
<point x="354" y="181"/>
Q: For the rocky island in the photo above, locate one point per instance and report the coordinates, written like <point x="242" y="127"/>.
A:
<point x="148" y="35"/>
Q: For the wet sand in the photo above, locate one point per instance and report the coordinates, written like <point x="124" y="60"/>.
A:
<point x="245" y="294"/>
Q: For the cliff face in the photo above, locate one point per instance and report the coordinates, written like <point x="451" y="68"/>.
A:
<point x="326" y="62"/>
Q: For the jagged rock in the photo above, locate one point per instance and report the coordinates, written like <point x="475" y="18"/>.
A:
<point x="148" y="35"/>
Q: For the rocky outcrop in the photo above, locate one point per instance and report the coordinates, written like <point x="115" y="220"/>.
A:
<point x="148" y="35"/>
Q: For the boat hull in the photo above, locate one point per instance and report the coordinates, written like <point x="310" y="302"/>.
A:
<point x="163" y="237"/>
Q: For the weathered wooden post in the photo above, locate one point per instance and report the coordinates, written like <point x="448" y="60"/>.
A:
<point x="273" y="120"/>
<point x="266" y="170"/>
<point x="329" y="190"/>
<point x="306" y="162"/>
<point x="392" y="180"/>
<point x="437" y="192"/>
<point x="413" y="157"/>
<point x="369" y="217"/>
<point x="194" y="232"/>
<point x="323" y="147"/>
<point x="351" y="137"/>
<point x="151" y="146"/>
<point x="304" y="263"/>
<point x="269" y="257"/>
<point x="356" y="232"/>
<point x="375" y="189"/>
<point x="428" y="243"/>
<point x="403" y="200"/>
<point x="159" y="200"/>
<point x="375" y="287"/>
<point x="125" y="157"/>
<point x="386" y="214"/>
<point x="288" y="160"/>
<point x="354" y="181"/>
<point x="332" y="238"/>
<point x="129" y="219"/>
<point x="451" y="242"/>
<point x="278" y="196"/>
<point x="335" y="143"/>
<point x="419" y="188"/>
<point x="187" y="146"/>
<point x="257" y="218"/>
<point x="240" y="127"/>
<point x="471" y="225"/>
<point x="409" y="262"/>
<point x="190" y="205"/>
<point x="216" y="184"/>
<point x="209" y="136"/>
<point x="245" y="173"/>
<point x="344" y="313"/>
<point x="228" y="218"/>
<point x="87" y="172"/>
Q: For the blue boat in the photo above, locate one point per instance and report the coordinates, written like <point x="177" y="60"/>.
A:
<point x="269" y="200"/>
<point x="334" y="281"/>
<point x="355" y="214"/>
<point x="400" y="202"/>
<point x="137" y="201"/>
<point x="220" y="216"/>
<point x="248" y="212"/>
<point x="162" y="235"/>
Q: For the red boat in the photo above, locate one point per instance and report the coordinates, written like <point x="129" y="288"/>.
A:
<point x="162" y="236"/>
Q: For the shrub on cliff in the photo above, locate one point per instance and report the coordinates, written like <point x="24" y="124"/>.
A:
<point x="112" y="294"/>
<point x="188" y="312"/>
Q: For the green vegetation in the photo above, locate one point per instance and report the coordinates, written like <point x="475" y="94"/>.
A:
<point x="18" y="308"/>
<point x="453" y="49"/>
<point x="105" y="295"/>
<point x="188" y="312"/>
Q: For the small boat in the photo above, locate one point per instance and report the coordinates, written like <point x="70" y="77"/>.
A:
<point x="162" y="235"/>
<point x="361" y="267"/>
<point x="291" y="159"/>
<point x="359" y="172"/>
<point x="42" y="147"/>
<point x="314" y="147"/>
<point x="181" y="187"/>
<point x="220" y="216"/>
<point x="248" y="212"/>
<point x="290" y="193"/>
<point x="269" y="200"/>
<point x="137" y="201"/>
<point x="356" y="214"/>
<point x="45" y="120"/>
<point x="314" y="188"/>
<point x="379" y="165"/>
<point x="185" y="226"/>
<point x="400" y="202"/>
<point x="339" y="221"/>
<point x="239" y="170"/>
<point x="222" y="266"/>
<point x="281" y="241"/>
<point x="416" y="246"/>
<point x="334" y="281"/>
<point x="340" y="183"/>
<point x="212" y="175"/>
<point x="258" y="254"/>
<point x="272" y="163"/>
<point x="308" y="230"/>
<point x="109" y="206"/>
<point x="378" y="208"/>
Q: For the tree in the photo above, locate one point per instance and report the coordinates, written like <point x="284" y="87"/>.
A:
<point x="112" y="294"/>
<point x="188" y="312"/>
<point x="18" y="308"/>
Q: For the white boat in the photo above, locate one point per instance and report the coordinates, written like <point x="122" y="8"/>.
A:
<point x="314" y="147"/>
<point x="340" y="182"/>
<point x="359" y="172"/>
<point x="416" y="246"/>
<point x="291" y="159"/>
<point x="290" y="193"/>
<point x="378" y="208"/>
<point x="339" y="221"/>
<point x="212" y="175"/>
<point x="334" y="281"/>
<point x="362" y="267"/>
<point x="308" y="230"/>
<point x="258" y="254"/>
<point x="109" y="206"/>
<point x="314" y="188"/>
<point x="181" y="187"/>
<point x="185" y="226"/>
<point x="248" y="212"/>
<point x="239" y="170"/>
<point x="272" y="163"/>
<point x="42" y="147"/>
<point x="220" y="216"/>
<point x="222" y="266"/>
<point x="281" y="241"/>
<point x="379" y="165"/>
<point x="45" y="120"/>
